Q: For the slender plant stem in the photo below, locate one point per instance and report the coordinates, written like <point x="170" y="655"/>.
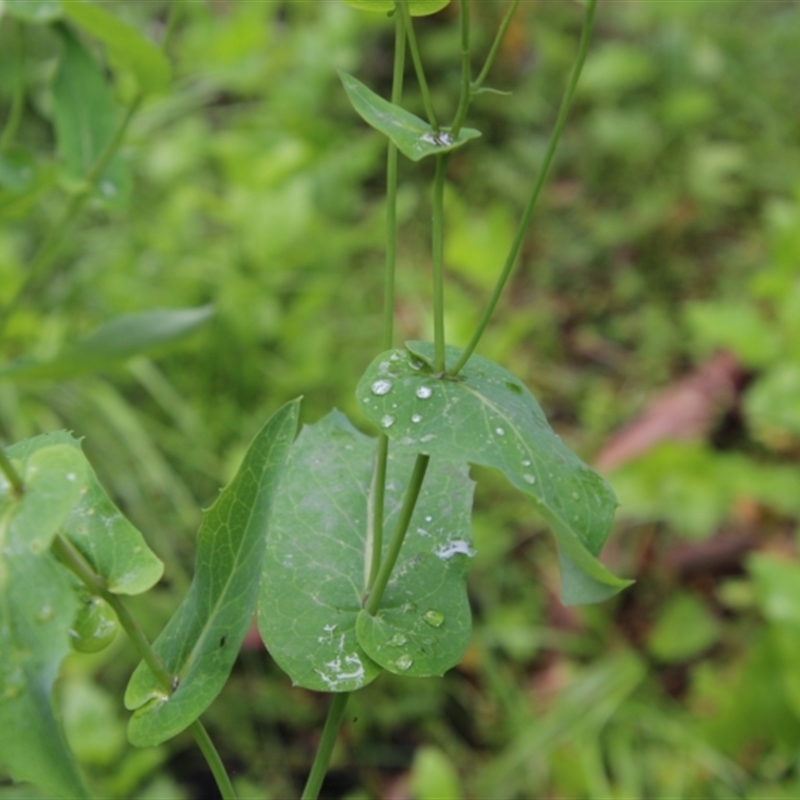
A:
<point x="437" y="229"/>
<point x="326" y="743"/>
<point x="495" y="48"/>
<point x="377" y="502"/>
<point x="7" y="468"/>
<point x="466" y="73"/>
<point x="391" y="190"/>
<point x="418" y="68"/>
<point x="516" y="245"/>
<point x="378" y="489"/>
<point x="71" y="558"/>
<point x="18" y="96"/>
<point x="399" y="535"/>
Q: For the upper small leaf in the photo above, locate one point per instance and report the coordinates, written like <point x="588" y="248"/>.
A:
<point x="418" y="8"/>
<point x="125" y="44"/>
<point x="85" y="116"/>
<point x="113" y="342"/>
<point x="202" y="640"/>
<point x="414" y="137"/>
<point x="486" y="416"/>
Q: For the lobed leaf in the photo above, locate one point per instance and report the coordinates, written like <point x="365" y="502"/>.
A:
<point x="486" y="416"/>
<point x="317" y="561"/>
<point x="414" y="137"/>
<point x="123" y="337"/>
<point x="201" y="641"/>
<point x="112" y="546"/>
<point x="85" y="115"/>
<point x="125" y="44"/>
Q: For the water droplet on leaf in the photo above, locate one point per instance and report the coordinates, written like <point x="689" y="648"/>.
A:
<point x="529" y="478"/>
<point x="433" y="617"/>
<point x="424" y="392"/>
<point x="416" y="417"/>
<point x="387" y="420"/>
<point x="404" y="663"/>
<point x="381" y="386"/>
<point x="500" y="431"/>
<point x="398" y="640"/>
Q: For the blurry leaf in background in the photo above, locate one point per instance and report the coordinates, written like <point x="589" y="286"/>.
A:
<point x="85" y="116"/>
<point x="113" y="342"/>
<point x="736" y="325"/>
<point x="126" y="46"/>
<point x="772" y="407"/>
<point x="434" y="776"/>
<point x="43" y="11"/>
<point x="777" y="582"/>
<point x="684" y="629"/>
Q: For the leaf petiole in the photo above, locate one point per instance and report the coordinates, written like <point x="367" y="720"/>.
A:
<point x="72" y="559"/>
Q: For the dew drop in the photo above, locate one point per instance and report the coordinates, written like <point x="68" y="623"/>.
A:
<point x="416" y="417"/>
<point x="428" y="437"/>
<point x="529" y="478"/>
<point x="428" y="518"/>
<point x="433" y="617"/>
<point x="416" y="364"/>
<point x="381" y="386"/>
<point x="526" y="462"/>
<point x="500" y="431"/>
<point x="387" y="420"/>
<point x="398" y="640"/>
<point x="423" y="392"/>
<point x="404" y="663"/>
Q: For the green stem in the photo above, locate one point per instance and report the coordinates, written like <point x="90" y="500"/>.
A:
<point x="7" y="468"/>
<point x="415" y="57"/>
<point x="325" y="748"/>
<point x="374" y="598"/>
<point x="495" y="48"/>
<point x="378" y="489"/>
<point x="516" y="245"/>
<point x="437" y="231"/>
<point x="71" y="558"/>
<point x="18" y="97"/>
<point x="466" y="70"/>
<point x="377" y="498"/>
<point x="391" y="191"/>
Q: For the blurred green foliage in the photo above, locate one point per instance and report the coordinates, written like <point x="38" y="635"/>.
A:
<point x="670" y="227"/>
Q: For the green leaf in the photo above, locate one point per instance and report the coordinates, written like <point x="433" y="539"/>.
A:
<point x="317" y="561"/>
<point x="125" y="44"/>
<point x="202" y="640"/>
<point x="85" y="116"/>
<point x="414" y="137"/>
<point x="114" y="342"/>
<point x="37" y="606"/>
<point x="113" y="547"/>
<point x="488" y="417"/>
<point x="34" y="10"/>
<point x="418" y="8"/>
